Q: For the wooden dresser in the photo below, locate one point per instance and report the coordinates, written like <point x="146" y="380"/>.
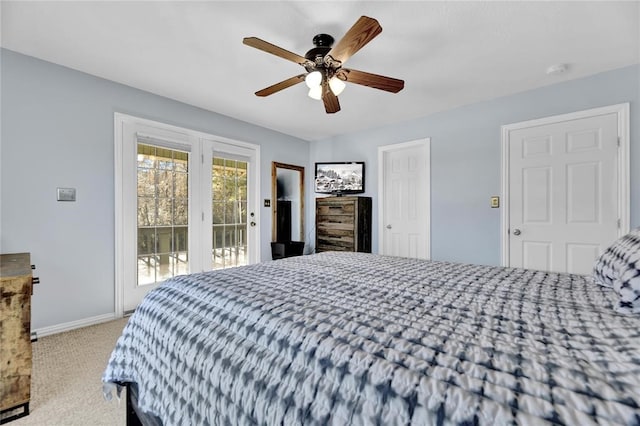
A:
<point x="16" y="284"/>
<point x="343" y="224"/>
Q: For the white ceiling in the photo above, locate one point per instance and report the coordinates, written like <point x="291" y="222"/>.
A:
<point x="448" y="53"/>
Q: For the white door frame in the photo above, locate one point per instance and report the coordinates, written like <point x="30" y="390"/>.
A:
<point x="624" y="194"/>
<point x="384" y="149"/>
<point x="178" y="136"/>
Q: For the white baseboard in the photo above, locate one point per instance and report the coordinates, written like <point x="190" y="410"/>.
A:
<point x="68" y="326"/>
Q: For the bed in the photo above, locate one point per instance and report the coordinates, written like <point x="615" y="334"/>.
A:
<point x="355" y="338"/>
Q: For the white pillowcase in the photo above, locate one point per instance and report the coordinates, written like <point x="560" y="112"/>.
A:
<point x="628" y="284"/>
<point x="618" y="267"/>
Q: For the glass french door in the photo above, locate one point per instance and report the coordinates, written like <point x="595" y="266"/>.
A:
<point x="232" y="205"/>
<point x="229" y="212"/>
<point x="162" y="213"/>
<point x="185" y="202"/>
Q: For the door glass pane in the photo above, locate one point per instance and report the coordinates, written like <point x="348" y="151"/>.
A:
<point x="229" y="204"/>
<point x="162" y="213"/>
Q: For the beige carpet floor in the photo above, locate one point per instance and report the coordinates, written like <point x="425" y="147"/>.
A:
<point x="65" y="384"/>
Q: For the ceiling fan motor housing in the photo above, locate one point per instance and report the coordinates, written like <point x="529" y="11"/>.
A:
<point x="323" y="43"/>
<point x="323" y="40"/>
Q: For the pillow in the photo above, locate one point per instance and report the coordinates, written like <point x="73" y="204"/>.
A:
<point x="615" y="258"/>
<point x="628" y="285"/>
<point x="604" y="270"/>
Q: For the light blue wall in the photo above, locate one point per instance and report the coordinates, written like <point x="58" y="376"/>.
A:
<point x="465" y="157"/>
<point x="57" y="131"/>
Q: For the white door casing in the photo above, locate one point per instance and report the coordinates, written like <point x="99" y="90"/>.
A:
<point x="127" y="131"/>
<point x="404" y="211"/>
<point x="565" y="189"/>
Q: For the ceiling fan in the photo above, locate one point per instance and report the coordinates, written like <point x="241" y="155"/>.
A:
<point x="325" y="75"/>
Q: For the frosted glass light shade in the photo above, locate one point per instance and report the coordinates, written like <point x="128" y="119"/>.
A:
<point x="313" y="79"/>
<point x="316" y="92"/>
<point x="336" y="85"/>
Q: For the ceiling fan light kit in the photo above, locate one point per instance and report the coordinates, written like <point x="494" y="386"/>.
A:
<point x="316" y="92"/>
<point x="336" y="85"/>
<point x="325" y="75"/>
<point x="313" y="79"/>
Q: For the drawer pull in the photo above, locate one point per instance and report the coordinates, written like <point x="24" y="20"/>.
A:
<point x="33" y="266"/>
<point x="35" y="280"/>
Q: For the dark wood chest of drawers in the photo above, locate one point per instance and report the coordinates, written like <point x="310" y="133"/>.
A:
<point x="343" y="224"/>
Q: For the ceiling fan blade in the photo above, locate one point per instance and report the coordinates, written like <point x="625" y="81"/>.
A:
<point x="280" y="86"/>
<point x="274" y="50"/>
<point x="362" y="32"/>
<point x="371" y="80"/>
<point x="331" y="103"/>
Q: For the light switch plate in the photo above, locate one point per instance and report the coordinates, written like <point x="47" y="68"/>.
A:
<point x="495" y="202"/>
<point x="66" y="194"/>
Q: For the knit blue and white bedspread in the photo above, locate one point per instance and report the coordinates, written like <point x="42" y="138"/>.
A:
<point x="361" y="339"/>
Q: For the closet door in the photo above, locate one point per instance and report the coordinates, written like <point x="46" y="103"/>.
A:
<point x="563" y="192"/>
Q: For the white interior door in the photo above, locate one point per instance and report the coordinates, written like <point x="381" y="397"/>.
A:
<point x="404" y="210"/>
<point x="564" y="193"/>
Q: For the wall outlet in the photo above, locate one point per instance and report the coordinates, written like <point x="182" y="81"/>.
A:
<point x="267" y="203"/>
<point x="495" y="202"/>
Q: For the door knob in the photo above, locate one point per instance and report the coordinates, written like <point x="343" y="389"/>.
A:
<point x="388" y="226"/>
<point x="252" y="223"/>
<point x="516" y="232"/>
